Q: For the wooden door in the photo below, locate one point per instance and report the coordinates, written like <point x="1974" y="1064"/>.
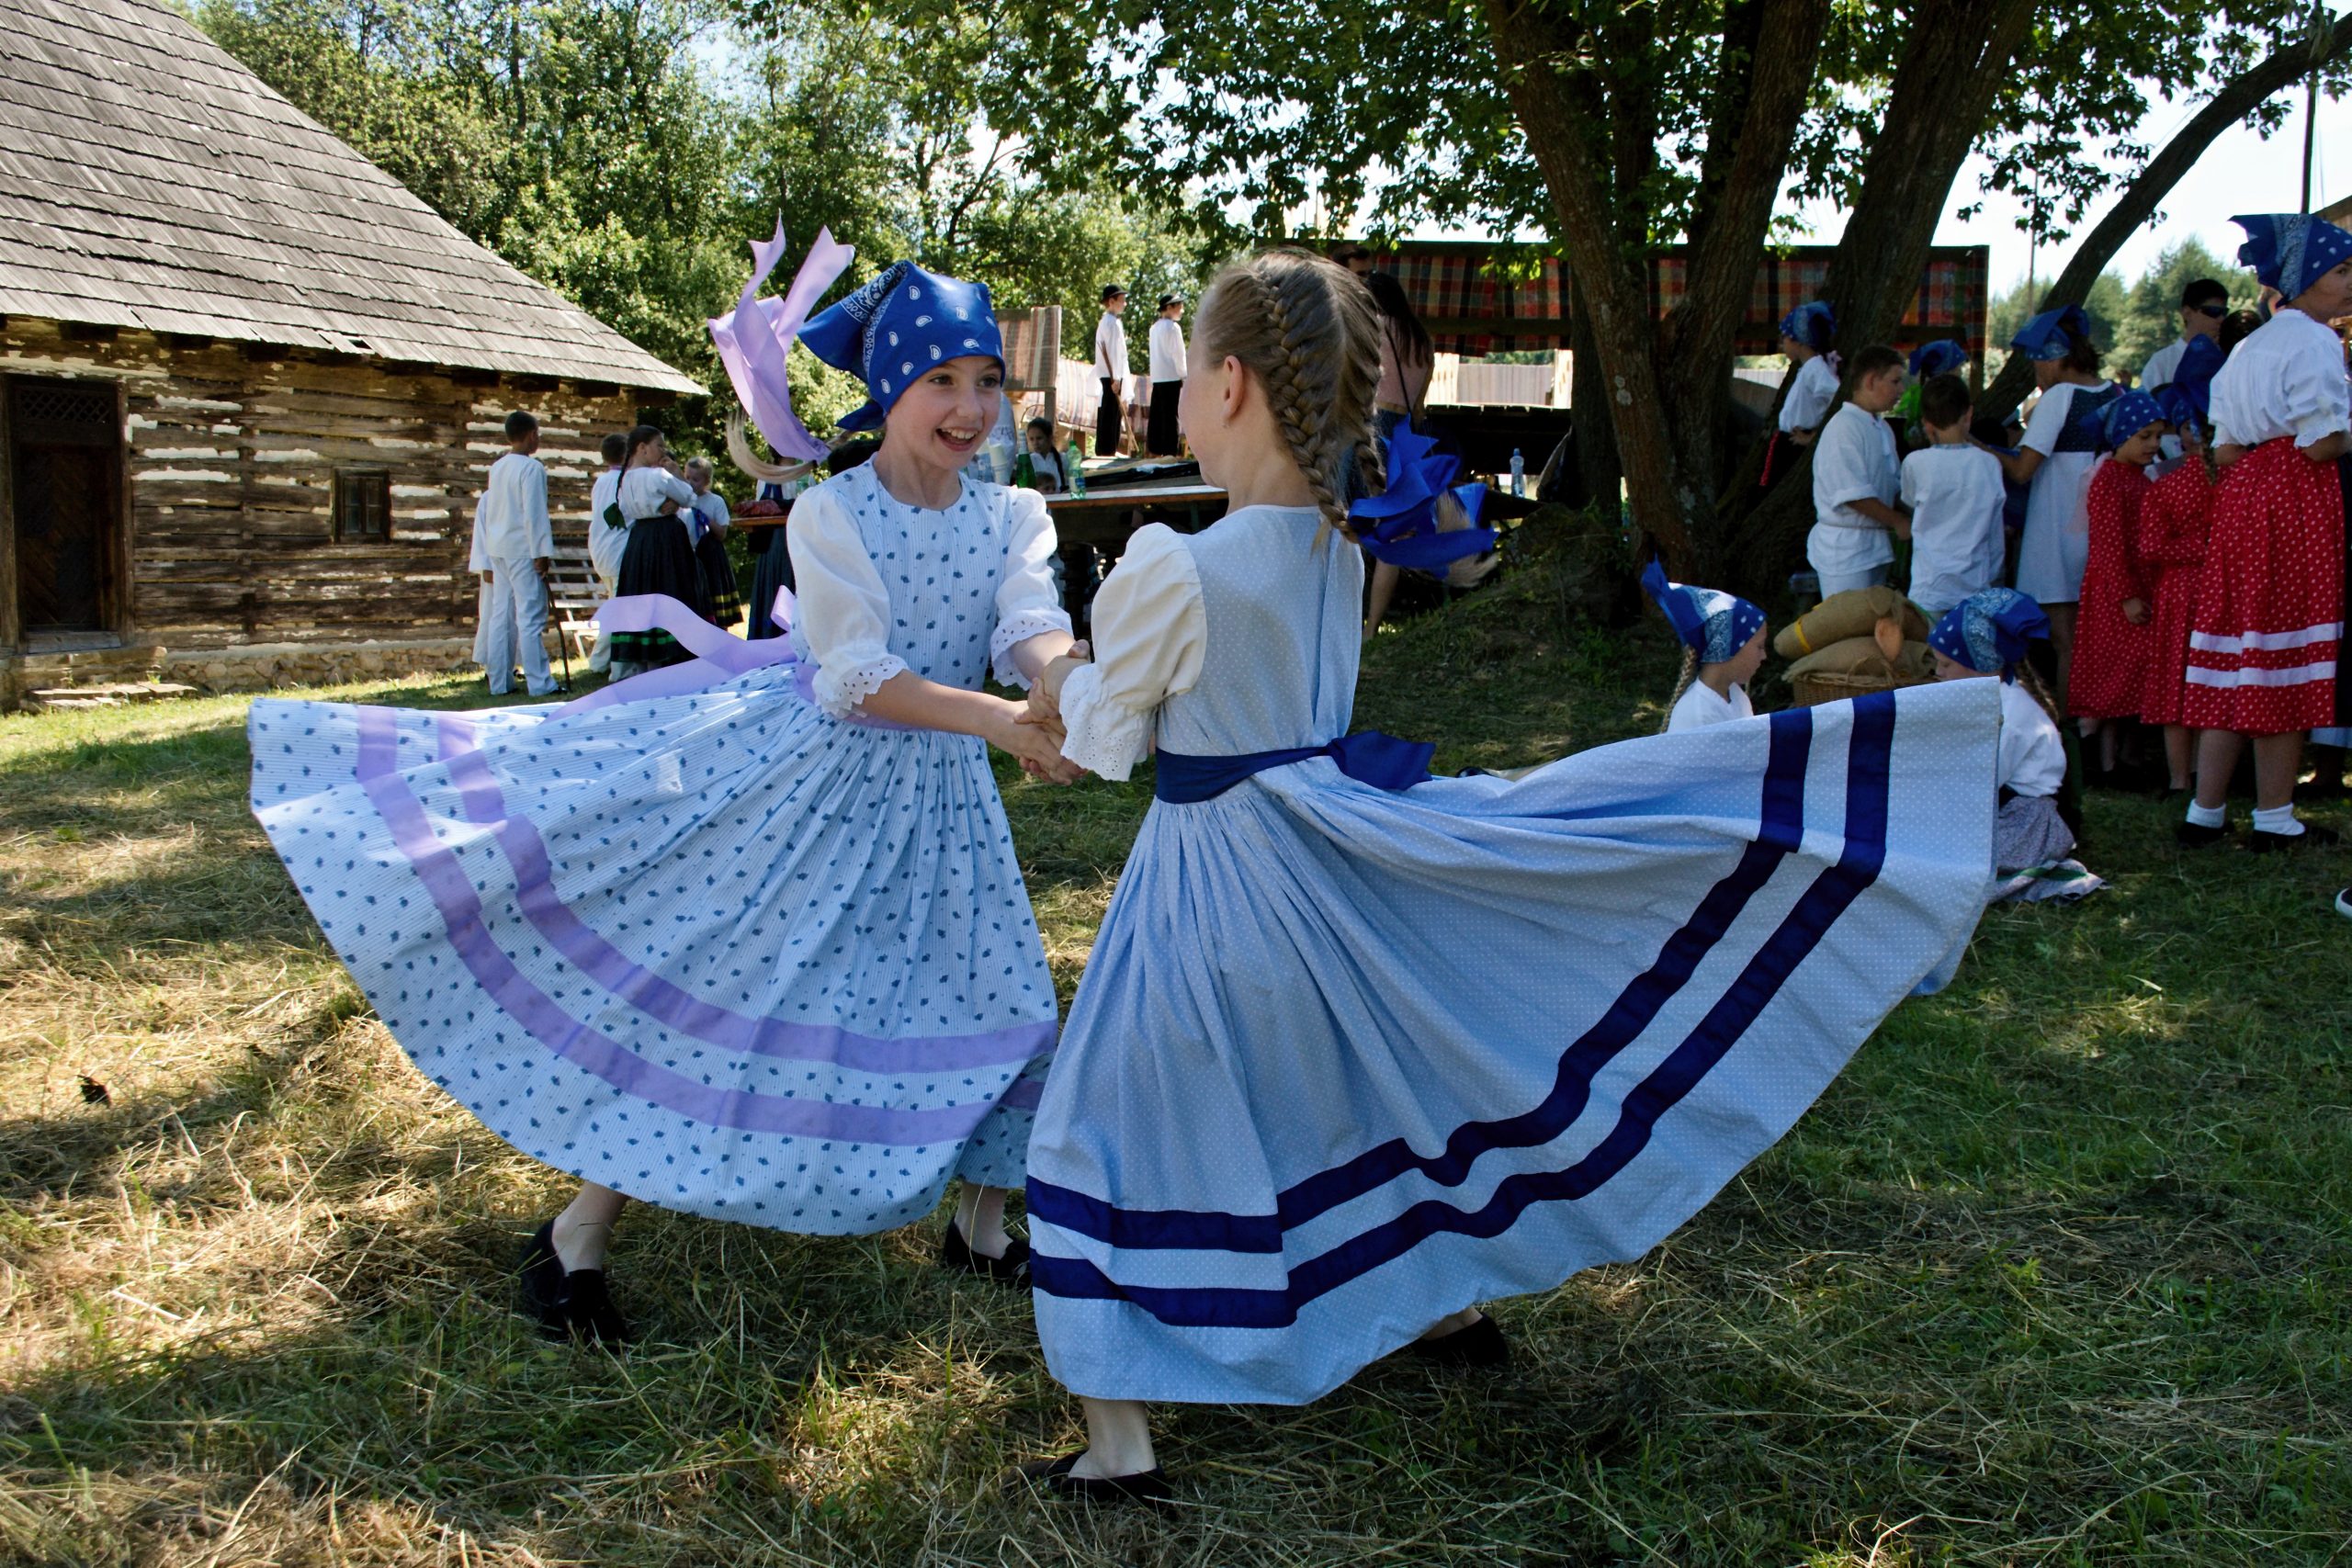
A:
<point x="65" y="463"/>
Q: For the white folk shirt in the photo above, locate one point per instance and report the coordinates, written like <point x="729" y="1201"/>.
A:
<point x="642" y="492"/>
<point x="1809" y="398"/>
<point x="2031" y="759"/>
<point x="1111" y="349"/>
<point x="2286" y="378"/>
<point x="2158" y="371"/>
<point x="1853" y="460"/>
<point x="1955" y="495"/>
<point x="1700" y="708"/>
<point x="607" y="544"/>
<point x="1167" y="351"/>
<point x="511" y="520"/>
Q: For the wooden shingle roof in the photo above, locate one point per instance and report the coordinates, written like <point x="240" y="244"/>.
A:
<point x="147" y="179"/>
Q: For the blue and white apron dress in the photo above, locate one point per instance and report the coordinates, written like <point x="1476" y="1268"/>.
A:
<point x="1346" y="1060"/>
<point x="714" y="949"/>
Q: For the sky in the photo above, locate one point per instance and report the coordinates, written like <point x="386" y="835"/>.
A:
<point x="2239" y="173"/>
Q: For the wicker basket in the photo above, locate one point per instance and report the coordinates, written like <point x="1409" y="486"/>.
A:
<point x="1805" y="691"/>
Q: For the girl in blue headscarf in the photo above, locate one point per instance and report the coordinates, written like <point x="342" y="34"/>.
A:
<point x="2173" y="523"/>
<point x="2264" y="661"/>
<point x="2112" y="630"/>
<point x="1723" y="647"/>
<point x="1987" y="635"/>
<point x="2055" y="461"/>
<point x="751" y="947"/>
<point x="1807" y="334"/>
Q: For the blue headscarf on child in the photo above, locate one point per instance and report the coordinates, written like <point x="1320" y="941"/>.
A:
<point x="2050" y="334"/>
<point x="1988" y="631"/>
<point x="1712" y="623"/>
<point x="2292" y="250"/>
<point x="1813" y="325"/>
<point x="2188" y="398"/>
<point x="1936" y="358"/>
<point x="2129" y="415"/>
<point x="895" y="328"/>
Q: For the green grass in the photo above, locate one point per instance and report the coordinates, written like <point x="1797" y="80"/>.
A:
<point x="2059" y="1270"/>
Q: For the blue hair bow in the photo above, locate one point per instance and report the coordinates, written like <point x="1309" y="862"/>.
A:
<point x="1711" y="622"/>
<point x="1988" y="631"/>
<point x="1403" y="519"/>
<point x="2292" y="250"/>
<point x="892" y="331"/>
<point x="2051" y="335"/>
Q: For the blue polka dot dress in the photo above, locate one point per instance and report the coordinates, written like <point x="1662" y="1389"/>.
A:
<point x="737" y="952"/>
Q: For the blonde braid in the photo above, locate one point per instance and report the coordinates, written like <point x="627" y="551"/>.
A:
<point x="1308" y="331"/>
<point x="1689" y="673"/>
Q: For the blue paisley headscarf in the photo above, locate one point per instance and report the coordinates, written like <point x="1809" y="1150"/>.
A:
<point x="1988" y="631"/>
<point x="897" y="327"/>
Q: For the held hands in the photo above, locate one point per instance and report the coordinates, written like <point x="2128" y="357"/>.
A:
<point x="2136" y="612"/>
<point x="1036" y="745"/>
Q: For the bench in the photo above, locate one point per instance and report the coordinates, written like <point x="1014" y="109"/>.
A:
<point x="574" y="594"/>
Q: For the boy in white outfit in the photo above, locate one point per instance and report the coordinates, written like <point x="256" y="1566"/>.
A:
<point x="514" y="547"/>
<point x="607" y="544"/>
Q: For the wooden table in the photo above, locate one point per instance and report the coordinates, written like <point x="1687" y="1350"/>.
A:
<point x="1099" y="517"/>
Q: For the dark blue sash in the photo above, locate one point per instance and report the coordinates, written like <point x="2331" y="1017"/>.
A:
<point x="1381" y="760"/>
<point x="2086" y="413"/>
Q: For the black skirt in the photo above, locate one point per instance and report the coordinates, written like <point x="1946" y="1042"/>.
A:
<point x="719" y="578"/>
<point x="1110" y="420"/>
<point x="771" y="569"/>
<point x="1161" y="436"/>
<point x="659" y="559"/>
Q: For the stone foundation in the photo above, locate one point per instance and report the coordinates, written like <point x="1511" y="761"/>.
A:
<point x="249" y="667"/>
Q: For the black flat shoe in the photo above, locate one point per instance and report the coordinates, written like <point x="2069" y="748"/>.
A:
<point x="2313" y="837"/>
<point x="1012" y="1268"/>
<point x="2196" y="836"/>
<point x="538" y="1276"/>
<point x="1479" y="1344"/>
<point x="1053" y="1477"/>
<point x="589" y="1309"/>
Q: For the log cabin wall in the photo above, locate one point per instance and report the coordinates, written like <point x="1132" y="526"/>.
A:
<point x="232" y="462"/>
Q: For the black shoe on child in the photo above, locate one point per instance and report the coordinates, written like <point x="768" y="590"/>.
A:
<point x="955" y="1253"/>
<point x="2313" y="837"/>
<point x="1476" y="1344"/>
<point x="2197" y="836"/>
<point x="1053" y="1477"/>
<point x="540" y="1277"/>
<point x="590" y="1308"/>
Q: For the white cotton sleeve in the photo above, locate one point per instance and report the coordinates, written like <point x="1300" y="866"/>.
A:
<point x="542" y="526"/>
<point x="844" y="610"/>
<point x="2049" y="420"/>
<point x="1150" y="634"/>
<point x="1027" y="602"/>
<point x="2314" y="394"/>
<point x="1843" y="470"/>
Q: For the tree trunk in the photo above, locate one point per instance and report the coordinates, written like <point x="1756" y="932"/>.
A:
<point x="2281" y="68"/>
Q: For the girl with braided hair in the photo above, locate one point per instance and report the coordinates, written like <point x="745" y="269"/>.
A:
<point x="1357" y="1048"/>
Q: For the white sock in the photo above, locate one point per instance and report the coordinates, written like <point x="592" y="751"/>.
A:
<point x="2279" y="819"/>
<point x="2208" y="816"/>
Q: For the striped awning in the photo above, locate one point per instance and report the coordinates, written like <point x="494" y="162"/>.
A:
<point x="1483" y="299"/>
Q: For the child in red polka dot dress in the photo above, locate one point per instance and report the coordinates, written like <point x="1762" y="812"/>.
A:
<point x="2113" y="623"/>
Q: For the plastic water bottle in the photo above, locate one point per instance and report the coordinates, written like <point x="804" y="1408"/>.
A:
<point x="1076" y="472"/>
<point x="1518" y="473"/>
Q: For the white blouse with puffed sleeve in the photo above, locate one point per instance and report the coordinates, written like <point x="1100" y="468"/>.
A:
<point x="1150" y="635"/>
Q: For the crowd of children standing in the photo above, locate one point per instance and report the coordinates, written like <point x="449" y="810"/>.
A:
<point x="2183" y="540"/>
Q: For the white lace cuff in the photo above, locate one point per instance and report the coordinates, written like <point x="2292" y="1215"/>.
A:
<point x="1017" y="629"/>
<point x="1102" y="737"/>
<point x="841" y="685"/>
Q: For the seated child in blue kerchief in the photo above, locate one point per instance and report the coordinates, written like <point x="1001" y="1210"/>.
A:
<point x="1723" y="641"/>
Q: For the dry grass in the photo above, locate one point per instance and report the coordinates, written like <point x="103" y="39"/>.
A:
<point x="2059" y="1272"/>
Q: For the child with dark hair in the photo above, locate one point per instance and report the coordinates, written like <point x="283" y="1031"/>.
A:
<point x="2173" y="523"/>
<point x="660" y="559"/>
<point x="1956" y="497"/>
<point x="608" y="541"/>
<point x="1857" y="481"/>
<point x="1408" y="356"/>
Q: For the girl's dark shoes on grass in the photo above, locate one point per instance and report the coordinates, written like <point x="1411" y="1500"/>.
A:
<point x="566" y="1306"/>
<point x="1012" y="1268"/>
<point x="1053" y="1477"/>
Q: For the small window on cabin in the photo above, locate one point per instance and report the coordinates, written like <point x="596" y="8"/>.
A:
<point x="363" y="504"/>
